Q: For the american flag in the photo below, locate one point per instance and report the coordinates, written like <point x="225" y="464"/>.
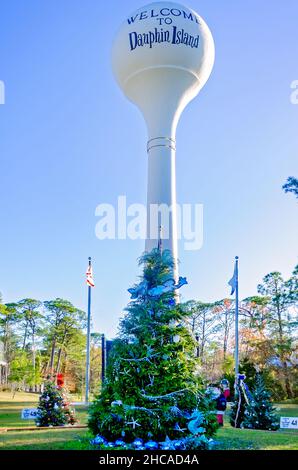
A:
<point x="89" y="275"/>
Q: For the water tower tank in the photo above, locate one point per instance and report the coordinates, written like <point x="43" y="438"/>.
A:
<point x="162" y="56"/>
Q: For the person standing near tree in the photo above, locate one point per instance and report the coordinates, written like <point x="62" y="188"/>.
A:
<point x="226" y="388"/>
<point x="221" y="406"/>
<point x="216" y="392"/>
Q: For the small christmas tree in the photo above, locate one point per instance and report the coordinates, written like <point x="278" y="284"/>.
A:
<point x="50" y="408"/>
<point x="152" y="392"/>
<point x="260" y="413"/>
<point x="53" y="408"/>
<point x="68" y="410"/>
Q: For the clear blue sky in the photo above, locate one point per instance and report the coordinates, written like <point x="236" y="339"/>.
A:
<point x="69" y="140"/>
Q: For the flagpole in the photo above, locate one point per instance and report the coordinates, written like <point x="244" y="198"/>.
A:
<point x="236" y="325"/>
<point x="103" y="358"/>
<point x="88" y="341"/>
<point x="159" y="245"/>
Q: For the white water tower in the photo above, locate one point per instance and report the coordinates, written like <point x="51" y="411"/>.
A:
<point x="162" y="56"/>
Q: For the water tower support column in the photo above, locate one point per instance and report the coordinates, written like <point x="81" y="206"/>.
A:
<point x="161" y="196"/>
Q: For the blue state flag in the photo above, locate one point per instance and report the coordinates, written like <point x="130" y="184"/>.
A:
<point x="232" y="282"/>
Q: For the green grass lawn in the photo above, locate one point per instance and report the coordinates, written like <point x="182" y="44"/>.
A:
<point x="283" y="439"/>
<point x="69" y="438"/>
<point x="10" y="409"/>
<point x="60" y="439"/>
<point x="244" y="439"/>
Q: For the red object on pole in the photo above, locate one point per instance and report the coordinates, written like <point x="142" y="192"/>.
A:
<point x="60" y="380"/>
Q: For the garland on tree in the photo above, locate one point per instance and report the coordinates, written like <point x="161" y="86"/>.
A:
<point x="241" y="400"/>
<point x="152" y="395"/>
<point x="259" y="412"/>
<point x="54" y="407"/>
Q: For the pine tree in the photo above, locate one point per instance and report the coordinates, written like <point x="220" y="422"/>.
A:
<point x="260" y="413"/>
<point x="151" y="389"/>
<point x="53" y="408"/>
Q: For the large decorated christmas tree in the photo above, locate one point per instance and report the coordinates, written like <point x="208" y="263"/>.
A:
<point x="152" y="395"/>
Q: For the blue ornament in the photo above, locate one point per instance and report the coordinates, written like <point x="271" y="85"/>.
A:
<point x="98" y="440"/>
<point x="110" y="444"/>
<point x="119" y="443"/>
<point x="166" y="447"/>
<point x="201" y="430"/>
<point x="179" y="445"/>
<point x="176" y="411"/>
<point x="151" y="445"/>
<point x="177" y="428"/>
<point x="117" y="403"/>
<point x="195" y="422"/>
<point x="138" y="290"/>
<point x="138" y="442"/>
<point x="167" y="444"/>
<point x="182" y="281"/>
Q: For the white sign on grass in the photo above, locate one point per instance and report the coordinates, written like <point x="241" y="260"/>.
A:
<point x="289" y="423"/>
<point x="29" y="413"/>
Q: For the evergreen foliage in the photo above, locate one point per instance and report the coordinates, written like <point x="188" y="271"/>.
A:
<point x="53" y="407"/>
<point x="152" y="389"/>
<point x="260" y="413"/>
